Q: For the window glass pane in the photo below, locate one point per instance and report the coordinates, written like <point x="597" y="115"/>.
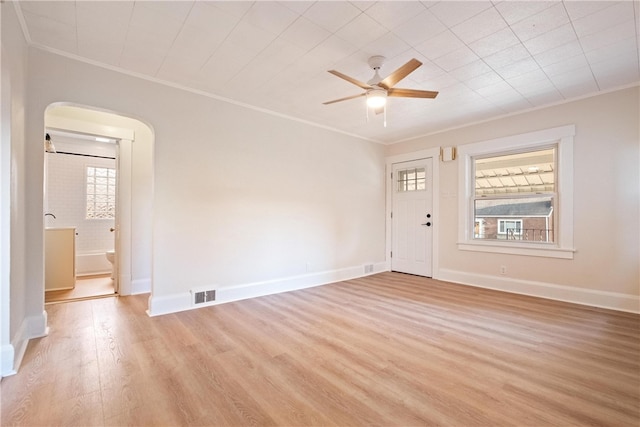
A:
<point x="101" y="189"/>
<point x="523" y="173"/>
<point x="524" y="219"/>
<point x="411" y="179"/>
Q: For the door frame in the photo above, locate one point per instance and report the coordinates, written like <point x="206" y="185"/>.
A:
<point x="433" y="153"/>
<point x="123" y="236"/>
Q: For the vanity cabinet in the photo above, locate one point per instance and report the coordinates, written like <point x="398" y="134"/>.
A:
<point x="59" y="258"/>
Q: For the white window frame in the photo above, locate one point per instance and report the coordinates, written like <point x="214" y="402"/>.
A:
<point x="503" y="220"/>
<point x="562" y="137"/>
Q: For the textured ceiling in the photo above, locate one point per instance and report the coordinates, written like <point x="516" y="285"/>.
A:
<point x="485" y="58"/>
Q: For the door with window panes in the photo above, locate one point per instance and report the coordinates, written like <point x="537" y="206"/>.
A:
<point x="412" y="218"/>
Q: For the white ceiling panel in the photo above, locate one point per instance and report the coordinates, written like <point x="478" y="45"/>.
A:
<point x="298" y="7"/>
<point x="440" y="45"/>
<point x="481" y="25"/>
<point x="394" y="14"/>
<point x="332" y="15"/>
<point x="211" y="19"/>
<point x="551" y="39"/>
<point x="101" y="15"/>
<point x="64" y="13"/>
<point x="495" y="42"/>
<point x="236" y="8"/>
<point x="518" y="68"/>
<point x="389" y="45"/>
<point x="361" y="31"/>
<point x="538" y="24"/>
<point x="514" y="12"/>
<point x="52" y="33"/>
<point x="456" y="59"/>
<point x="485" y="58"/>
<point x="612" y="52"/>
<point x="419" y="28"/>
<point x="453" y="13"/>
<point x="566" y="65"/>
<point x="250" y="37"/>
<point x="527" y="80"/>
<point x="507" y="56"/>
<point x="470" y="70"/>
<point x="559" y="53"/>
<point x="270" y="16"/>
<point x="579" y="9"/>
<point x="305" y="34"/>
<point x="604" y="18"/>
<point x="624" y="30"/>
<point x="141" y="60"/>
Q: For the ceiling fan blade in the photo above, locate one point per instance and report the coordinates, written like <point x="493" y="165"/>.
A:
<point x="350" y="79"/>
<point x="400" y="74"/>
<point x="411" y="93"/>
<point x="344" y="99"/>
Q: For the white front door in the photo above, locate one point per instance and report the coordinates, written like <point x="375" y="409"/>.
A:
<point x="412" y="218"/>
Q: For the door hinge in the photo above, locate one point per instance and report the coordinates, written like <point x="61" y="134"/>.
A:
<point x="391" y="214"/>
<point x="391" y="254"/>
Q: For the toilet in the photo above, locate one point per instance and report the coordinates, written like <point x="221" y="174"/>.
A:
<point x="111" y="257"/>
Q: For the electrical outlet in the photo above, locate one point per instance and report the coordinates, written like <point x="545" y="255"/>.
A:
<point x="503" y="270"/>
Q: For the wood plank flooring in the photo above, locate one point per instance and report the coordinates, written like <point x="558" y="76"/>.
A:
<point x="386" y="350"/>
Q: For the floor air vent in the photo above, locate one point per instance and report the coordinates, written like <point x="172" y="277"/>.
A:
<point x="202" y="297"/>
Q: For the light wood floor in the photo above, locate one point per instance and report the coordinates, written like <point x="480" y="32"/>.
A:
<point x="86" y="287"/>
<point x="387" y="350"/>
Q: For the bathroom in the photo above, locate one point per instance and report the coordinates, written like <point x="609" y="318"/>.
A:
<point x="79" y="199"/>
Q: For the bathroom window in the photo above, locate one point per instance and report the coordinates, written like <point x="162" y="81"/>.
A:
<point x="101" y="193"/>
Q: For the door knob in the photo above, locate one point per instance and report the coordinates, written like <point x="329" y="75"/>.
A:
<point x="112" y="229"/>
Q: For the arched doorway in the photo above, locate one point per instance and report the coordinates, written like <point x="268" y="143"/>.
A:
<point x="132" y="229"/>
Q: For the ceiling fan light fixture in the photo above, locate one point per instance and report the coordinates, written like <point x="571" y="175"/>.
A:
<point x="376" y="98"/>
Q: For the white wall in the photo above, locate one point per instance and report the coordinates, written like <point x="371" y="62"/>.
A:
<point x="240" y="196"/>
<point x="21" y="315"/>
<point x="605" y="268"/>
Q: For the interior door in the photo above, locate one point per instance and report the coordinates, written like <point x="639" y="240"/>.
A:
<point x="412" y="218"/>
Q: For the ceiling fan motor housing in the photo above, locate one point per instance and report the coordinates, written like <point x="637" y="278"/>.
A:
<point x="376" y="62"/>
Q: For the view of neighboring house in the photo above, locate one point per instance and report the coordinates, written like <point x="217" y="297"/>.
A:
<point x="531" y="221"/>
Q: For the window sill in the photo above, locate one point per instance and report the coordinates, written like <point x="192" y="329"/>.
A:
<point x="526" y="249"/>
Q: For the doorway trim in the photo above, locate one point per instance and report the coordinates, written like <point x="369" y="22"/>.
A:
<point x="433" y="153"/>
<point x="125" y="139"/>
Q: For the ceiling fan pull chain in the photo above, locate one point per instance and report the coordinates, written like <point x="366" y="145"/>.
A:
<point x="385" y="115"/>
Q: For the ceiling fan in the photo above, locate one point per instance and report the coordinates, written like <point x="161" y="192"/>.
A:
<point x="378" y="89"/>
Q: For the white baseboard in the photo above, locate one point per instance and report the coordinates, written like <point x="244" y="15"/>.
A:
<point x="159" y="305"/>
<point x="140" y="286"/>
<point x="6" y="361"/>
<point x="590" y="297"/>
<point x="31" y="327"/>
